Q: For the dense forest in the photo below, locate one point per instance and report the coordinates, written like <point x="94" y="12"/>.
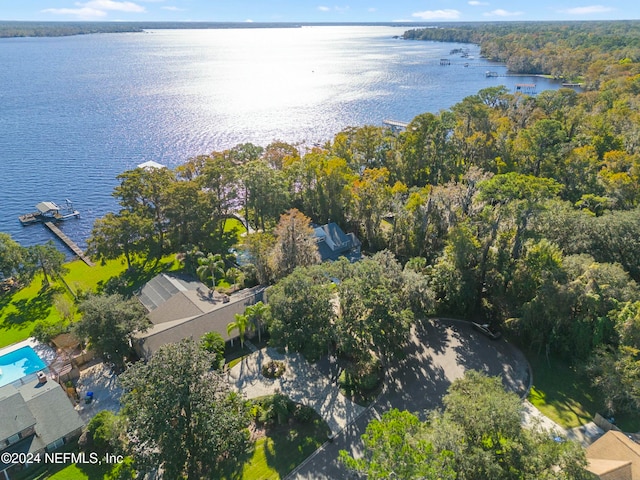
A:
<point x="589" y="52"/>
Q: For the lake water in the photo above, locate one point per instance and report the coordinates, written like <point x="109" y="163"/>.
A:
<point x="77" y="111"/>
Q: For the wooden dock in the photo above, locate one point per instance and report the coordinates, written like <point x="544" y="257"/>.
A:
<point x="395" y="124"/>
<point x="69" y="243"/>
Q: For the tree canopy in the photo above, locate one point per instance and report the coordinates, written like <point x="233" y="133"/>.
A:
<point x="181" y="415"/>
<point x="109" y="322"/>
<point x="478" y="434"/>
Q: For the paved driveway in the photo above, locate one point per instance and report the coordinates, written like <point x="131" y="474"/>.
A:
<point x="438" y="352"/>
<point x="301" y="382"/>
<point x="106" y="389"/>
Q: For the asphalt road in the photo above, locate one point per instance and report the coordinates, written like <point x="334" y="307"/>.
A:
<point x="438" y="352"/>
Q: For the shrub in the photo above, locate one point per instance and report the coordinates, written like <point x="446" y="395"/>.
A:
<point x="360" y="378"/>
<point x="103" y="433"/>
<point x="44" y="331"/>
<point x="273" y="369"/>
<point x="273" y="409"/>
<point x="304" y="414"/>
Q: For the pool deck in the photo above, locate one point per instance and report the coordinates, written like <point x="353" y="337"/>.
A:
<point x="45" y="352"/>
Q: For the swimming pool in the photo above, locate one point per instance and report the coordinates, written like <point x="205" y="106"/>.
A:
<point x="19" y="363"/>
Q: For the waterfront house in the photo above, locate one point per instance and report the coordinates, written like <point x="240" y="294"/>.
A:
<point x="180" y="307"/>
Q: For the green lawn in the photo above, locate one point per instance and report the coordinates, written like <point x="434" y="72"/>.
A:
<point x="275" y="455"/>
<point x="78" y="472"/>
<point x="20" y="310"/>
<point x="64" y="472"/>
<point x="562" y="393"/>
<point x="567" y="397"/>
<point x="234" y="224"/>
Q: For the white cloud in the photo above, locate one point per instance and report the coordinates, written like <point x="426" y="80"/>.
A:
<point x="324" y="8"/>
<point x="82" y="13"/>
<point x="476" y="3"/>
<point x="172" y="8"/>
<point x="587" y="10"/>
<point x="112" y="5"/>
<point x="372" y="9"/>
<point x="248" y="20"/>
<point x="446" y="14"/>
<point x="502" y="13"/>
<point x="96" y="9"/>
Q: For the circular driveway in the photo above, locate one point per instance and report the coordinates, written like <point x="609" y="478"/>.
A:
<point x="438" y="352"/>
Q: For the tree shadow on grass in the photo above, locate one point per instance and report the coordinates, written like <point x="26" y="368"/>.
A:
<point x="129" y="281"/>
<point x="565" y="388"/>
<point x="30" y="310"/>
<point x="233" y="468"/>
<point x="290" y="445"/>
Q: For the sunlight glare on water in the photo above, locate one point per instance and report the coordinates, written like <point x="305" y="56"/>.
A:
<point x="78" y="111"/>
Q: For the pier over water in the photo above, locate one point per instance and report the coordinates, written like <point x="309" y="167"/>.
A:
<point x="396" y="124"/>
<point x="71" y="245"/>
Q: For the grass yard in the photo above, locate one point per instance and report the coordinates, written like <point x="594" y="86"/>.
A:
<point x="232" y="224"/>
<point x="20" y="310"/>
<point x="561" y="393"/>
<point x="71" y="472"/>
<point x="567" y="397"/>
<point x="61" y="471"/>
<point x="282" y="449"/>
<point x="277" y="454"/>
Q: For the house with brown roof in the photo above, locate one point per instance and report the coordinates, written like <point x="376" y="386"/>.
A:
<point x="181" y="307"/>
<point x="614" y="456"/>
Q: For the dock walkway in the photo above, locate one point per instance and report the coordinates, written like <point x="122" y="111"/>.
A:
<point x="69" y="243"/>
<point x="395" y="124"/>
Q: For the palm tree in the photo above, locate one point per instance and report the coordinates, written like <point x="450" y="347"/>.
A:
<point x="257" y="315"/>
<point x="210" y="267"/>
<point x="213" y="343"/>
<point x="189" y="259"/>
<point x="239" y="324"/>
<point x="234" y="275"/>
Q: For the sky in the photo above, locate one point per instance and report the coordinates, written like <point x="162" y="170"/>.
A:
<point x="318" y="11"/>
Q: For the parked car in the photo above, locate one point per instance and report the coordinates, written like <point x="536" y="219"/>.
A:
<point x="488" y="330"/>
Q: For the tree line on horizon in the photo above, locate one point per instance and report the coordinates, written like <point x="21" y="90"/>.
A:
<point x="589" y="52"/>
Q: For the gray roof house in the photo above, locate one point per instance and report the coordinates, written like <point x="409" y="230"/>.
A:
<point x="34" y="418"/>
<point x="180" y="307"/>
<point x="333" y="243"/>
